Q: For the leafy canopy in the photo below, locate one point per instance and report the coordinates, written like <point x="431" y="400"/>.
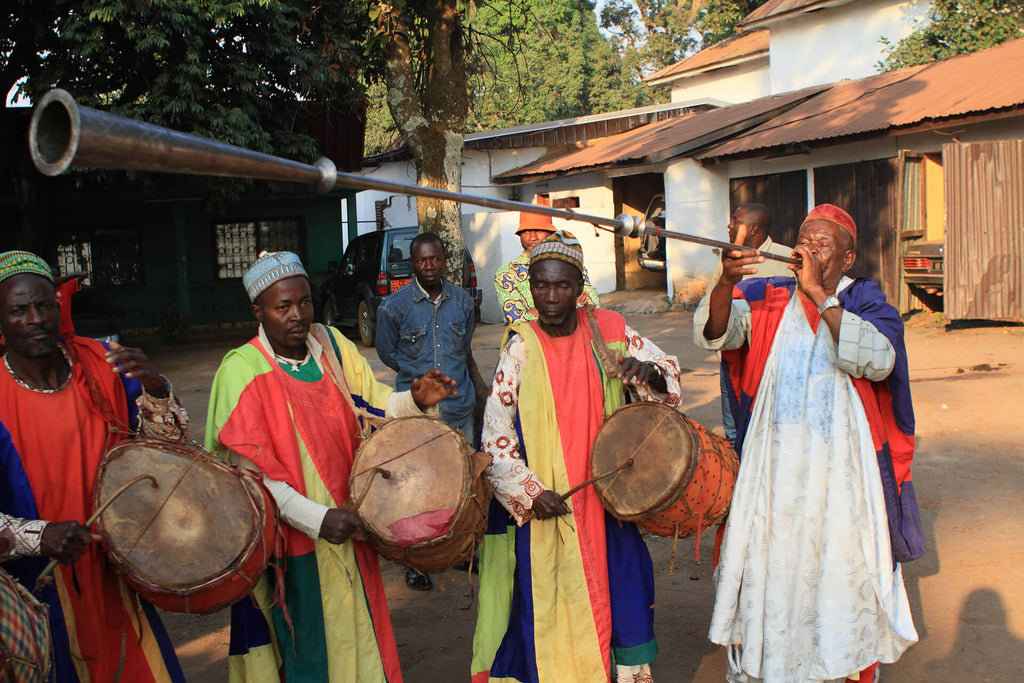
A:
<point x="240" y="71"/>
<point x="956" y="27"/>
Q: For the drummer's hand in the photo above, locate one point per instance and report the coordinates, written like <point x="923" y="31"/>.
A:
<point x="66" y="541"/>
<point x="549" y="504"/>
<point x="339" y="526"/>
<point x="633" y="371"/>
<point x="432" y="388"/>
<point x="135" y="363"/>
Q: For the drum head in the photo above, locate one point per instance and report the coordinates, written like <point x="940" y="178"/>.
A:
<point x="187" y="531"/>
<point x="663" y="448"/>
<point x="426" y="473"/>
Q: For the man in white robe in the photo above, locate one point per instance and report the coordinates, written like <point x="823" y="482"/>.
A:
<point x="809" y="585"/>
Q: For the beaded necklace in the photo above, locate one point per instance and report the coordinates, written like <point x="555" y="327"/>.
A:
<point x="22" y="383"/>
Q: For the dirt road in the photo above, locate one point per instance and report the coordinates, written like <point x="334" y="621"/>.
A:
<point x="966" y="593"/>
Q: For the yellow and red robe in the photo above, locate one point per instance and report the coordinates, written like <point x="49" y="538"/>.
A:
<point x="301" y="430"/>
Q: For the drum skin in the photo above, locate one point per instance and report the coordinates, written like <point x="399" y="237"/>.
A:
<point x="682" y="477"/>
<point x="420" y="492"/>
<point x="197" y="542"/>
<point x="25" y="648"/>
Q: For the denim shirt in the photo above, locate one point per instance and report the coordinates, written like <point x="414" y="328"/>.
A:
<point x="415" y="334"/>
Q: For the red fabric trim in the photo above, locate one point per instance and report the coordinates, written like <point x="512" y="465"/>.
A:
<point x="579" y="404"/>
<point x="61" y="438"/>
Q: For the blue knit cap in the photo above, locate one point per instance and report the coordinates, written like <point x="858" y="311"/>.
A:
<point x="270" y="267"/>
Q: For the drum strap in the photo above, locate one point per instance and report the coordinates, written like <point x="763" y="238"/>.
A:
<point x="609" y="359"/>
<point x="367" y="420"/>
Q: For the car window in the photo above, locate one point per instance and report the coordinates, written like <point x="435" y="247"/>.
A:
<point x="399" y="249"/>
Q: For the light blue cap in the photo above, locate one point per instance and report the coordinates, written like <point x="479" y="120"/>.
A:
<point x="270" y="267"/>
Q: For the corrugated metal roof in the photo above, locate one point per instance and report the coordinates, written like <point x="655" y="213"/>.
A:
<point x="776" y="9"/>
<point x="976" y="83"/>
<point x="658" y="141"/>
<point x="735" y="50"/>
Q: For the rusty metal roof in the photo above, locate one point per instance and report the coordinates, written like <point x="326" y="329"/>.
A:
<point x="659" y="141"/>
<point x="777" y="9"/>
<point x="974" y="84"/>
<point x="729" y="52"/>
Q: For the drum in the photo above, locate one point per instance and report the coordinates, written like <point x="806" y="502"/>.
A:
<point x="25" y="647"/>
<point x="681" y="478"/>
<point x="196" y="542"/>
<point x="420" y="492"/>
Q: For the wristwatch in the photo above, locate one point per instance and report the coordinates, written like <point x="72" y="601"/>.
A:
<point x="830" y="302"/>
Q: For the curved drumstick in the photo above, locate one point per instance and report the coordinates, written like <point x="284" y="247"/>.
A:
<point x="588" y="482"/>
<point x="44" y="576"/>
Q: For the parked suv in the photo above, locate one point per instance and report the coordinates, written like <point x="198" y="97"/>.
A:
<point x="922" y="265"/>
<point x="375" y="265"/>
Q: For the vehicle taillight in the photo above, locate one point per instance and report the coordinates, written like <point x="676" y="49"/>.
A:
<point x="382" y="283"/>
<point x="472" y="275"/>
<point x="916" y="262"/>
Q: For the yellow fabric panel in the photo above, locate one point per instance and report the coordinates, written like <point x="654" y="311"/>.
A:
<point x="143" y="634"/>
<point x="352" y="651"/>
<point x="358" y="373"/>
<point x="566" y="641"/>
<point x="260" y="664"/>
<point x="497" y="550"/>
<point x="69" y="621"/>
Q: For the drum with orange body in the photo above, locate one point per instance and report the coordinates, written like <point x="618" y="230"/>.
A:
<point x="195" y="542"/>
<point x="420" y="492"/>
<point x="25" y="647"/>
<point x="673" y="478"/>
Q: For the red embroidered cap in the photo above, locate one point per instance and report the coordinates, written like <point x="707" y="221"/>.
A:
<point x="833" y="214"/>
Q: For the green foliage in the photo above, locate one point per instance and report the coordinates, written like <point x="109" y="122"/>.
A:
<point x="241" y="71"/>
<point x="541" y="60"/>
<point x="653" y="34"/>
<point x="956" y="27"/>
<point x="718" y="19"/>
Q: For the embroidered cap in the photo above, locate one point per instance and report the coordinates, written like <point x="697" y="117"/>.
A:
<point x="536" y="221"/>
<point x="833" y="214"/>
<point x="17" y="262"/>
<point x="270" y="267"/>
<point x="561" y="245"/>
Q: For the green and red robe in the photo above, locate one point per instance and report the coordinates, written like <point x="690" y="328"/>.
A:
<point x="299" y="429"/>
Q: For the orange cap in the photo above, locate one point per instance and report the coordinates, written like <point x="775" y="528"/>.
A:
<point x="536" y="221"/>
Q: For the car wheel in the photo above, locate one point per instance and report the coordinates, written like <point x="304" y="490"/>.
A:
<point x="367" y="326"/>
<point x="330" y="312"/>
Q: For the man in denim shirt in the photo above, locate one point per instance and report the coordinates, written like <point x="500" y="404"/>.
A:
<point x="427" y="324"/>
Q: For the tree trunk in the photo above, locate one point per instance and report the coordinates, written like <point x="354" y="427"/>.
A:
<point x="428" y="95"/>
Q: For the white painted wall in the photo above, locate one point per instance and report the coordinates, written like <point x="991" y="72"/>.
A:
<point x="734" y="84"/>
<point x="696" y="203"/>
<point x="478" y="166"/>
<point x="838" y="43"/>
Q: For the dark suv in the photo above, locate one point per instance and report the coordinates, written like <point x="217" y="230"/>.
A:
<point x="375" y="265"/>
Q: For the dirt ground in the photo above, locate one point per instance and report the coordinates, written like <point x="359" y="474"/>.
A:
<point x="966" y="594"/>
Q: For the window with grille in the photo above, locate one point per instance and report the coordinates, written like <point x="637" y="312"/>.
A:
<point x="238" y="243"/>
<point x="110" y="257"/>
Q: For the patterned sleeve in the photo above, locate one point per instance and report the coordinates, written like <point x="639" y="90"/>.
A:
<point x="589" y="294"/>
<point x="863" y="351"/>
<point x="163" y="419"/>
<point x="515" y="485"/>
<point x="643" y="349"/>
<point x="737" y="332"/>
<point x="511" y="302"/>
<point x="20" y="537"/>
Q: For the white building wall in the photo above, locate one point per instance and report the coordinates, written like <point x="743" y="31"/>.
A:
<point x="733" y="84"/>
<point x="696" y="203"/>
<point x="838" y="43"/>
<point x="478" y="166"/>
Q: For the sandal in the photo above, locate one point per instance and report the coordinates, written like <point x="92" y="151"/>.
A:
<point x="417" y="581"/>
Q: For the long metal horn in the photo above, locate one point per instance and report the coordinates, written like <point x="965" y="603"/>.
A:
<point x="63" y="134"/>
